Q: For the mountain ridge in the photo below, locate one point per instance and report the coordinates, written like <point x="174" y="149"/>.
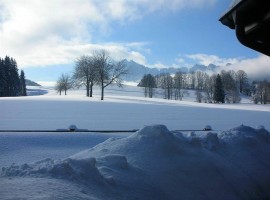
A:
<point x="31" y="83"/>
<point x="136" y="70"/>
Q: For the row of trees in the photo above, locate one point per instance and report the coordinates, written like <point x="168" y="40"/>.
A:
<point x="173" y="86"/>
<point x="262" y="93"/>
<point x="99" y="68"/>
<point x="11" y="83"/>
<point x="230" y="85"/>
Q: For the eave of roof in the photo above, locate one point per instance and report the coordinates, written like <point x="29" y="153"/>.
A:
<point x="227" y="18"/>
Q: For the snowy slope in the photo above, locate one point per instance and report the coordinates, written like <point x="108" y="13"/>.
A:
<point x="153" y="163"/>
<point x="124" y="109"/>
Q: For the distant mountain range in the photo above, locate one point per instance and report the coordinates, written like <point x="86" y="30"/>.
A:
<point x="136" y="71"/>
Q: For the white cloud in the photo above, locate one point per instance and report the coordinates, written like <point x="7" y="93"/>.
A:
<point x="256" y="68"/>
<point x="173" y="5"/>
<point x="160" y="65"/>
<point x="122" y="51"/>
<point x="205" y="59"/>
<point x="63" y="52"/>
<point x="48" y="32"/>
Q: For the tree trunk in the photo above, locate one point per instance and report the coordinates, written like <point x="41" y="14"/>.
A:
<point x="87" y="89"/>
<point x="91" y="89"/>
<point x="102" y="91"/>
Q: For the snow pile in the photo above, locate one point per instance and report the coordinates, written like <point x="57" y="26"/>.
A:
<point x="83" y="169"/>
<point x="155" y="163"/>
<point x="246" y="135"/>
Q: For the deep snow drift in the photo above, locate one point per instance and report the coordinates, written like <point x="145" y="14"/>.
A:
<point x="152" y="163"/>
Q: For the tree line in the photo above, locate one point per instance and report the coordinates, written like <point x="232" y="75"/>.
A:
<point x="11" y="83"/>
<point x="96" y="69"/>
<point x="227" y="86"/>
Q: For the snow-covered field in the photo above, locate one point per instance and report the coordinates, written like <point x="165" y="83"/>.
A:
<point x="157" y="162"/>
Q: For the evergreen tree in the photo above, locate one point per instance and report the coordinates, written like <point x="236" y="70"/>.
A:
<point x="7" y="69"/>
<point x="22" y="84"/>
<point x="9" y="78"/>
<point x="219" y="94"/>
<point x="15" y="79"/>
<point x="3" y="84"/>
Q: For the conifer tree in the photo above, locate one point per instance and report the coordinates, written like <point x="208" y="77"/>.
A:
<point x="9" y="78"/>
<point x="7" y="69"/>
<point x="14" y="78"/>
<point x="219" y="94"/>
<point x="22" y="84"/>
<point x="2" y="79"/>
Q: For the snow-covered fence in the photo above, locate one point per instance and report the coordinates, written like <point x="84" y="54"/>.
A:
<point x="73" y="128"/>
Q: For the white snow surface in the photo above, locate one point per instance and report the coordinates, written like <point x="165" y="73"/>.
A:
<point x="156" y="162"/>
<point x="124" y="108"/>
<point x="152" y="163"/>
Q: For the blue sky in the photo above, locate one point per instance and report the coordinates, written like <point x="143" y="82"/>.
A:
<point x="45" y="37"/>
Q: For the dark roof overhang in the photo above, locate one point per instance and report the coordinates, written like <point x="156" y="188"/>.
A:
<point x="251" y="21"/>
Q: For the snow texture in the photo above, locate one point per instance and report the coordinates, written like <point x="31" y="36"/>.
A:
<point x="156" y="162"/>
<point x="153" y="163"/>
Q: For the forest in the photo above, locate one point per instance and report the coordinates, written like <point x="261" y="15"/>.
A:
<point x="224" y="87"/>
<point x="11" y="83"/>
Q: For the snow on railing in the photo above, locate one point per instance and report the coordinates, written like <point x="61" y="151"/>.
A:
<point x="73" y="128"/>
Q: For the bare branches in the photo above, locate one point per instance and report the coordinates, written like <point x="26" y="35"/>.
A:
<point x="108" y="71"/>
<point x="85" y="73"/>
<point x="149" y="83"/>
<point x="64" y="83"/>
<point x="97" y="69"/>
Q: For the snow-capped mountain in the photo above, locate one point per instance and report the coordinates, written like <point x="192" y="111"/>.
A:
<point x="136" y="70"/>
<point x="197" y="67"/>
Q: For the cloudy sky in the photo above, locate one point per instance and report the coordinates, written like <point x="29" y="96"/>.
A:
<point x="45" y="37"/>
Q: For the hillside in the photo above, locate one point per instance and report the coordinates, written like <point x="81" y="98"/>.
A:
<point x="31" y="83"/>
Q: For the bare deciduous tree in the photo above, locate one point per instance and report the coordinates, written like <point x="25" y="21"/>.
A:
<point x="231" y="86"/>
<point x="64" y="83"/>
<point x="108" y="71"/>
<point x="210" y="87"/>
<point x="149" y="83"/>
<point x="262" y="94"/>
<point x="200" y="78"/>
<point x="242" y="80"/>
<point x="199" y="96"/>
<point x="178" y="85"/>
<point x="167" y="85"/>
<point x="85" y="73"/>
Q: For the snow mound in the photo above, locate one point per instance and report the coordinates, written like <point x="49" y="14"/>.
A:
<point x="71" y="169"/>
<point x="156" y="132"/>
<point x="155" y="163"/>
<point x="246" y="134"/>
